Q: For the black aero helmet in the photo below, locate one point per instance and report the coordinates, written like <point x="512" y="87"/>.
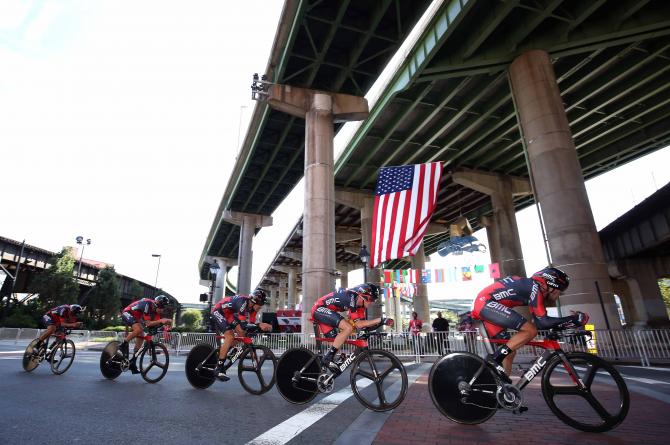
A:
<point x="259" y="296"/>
<point x="162" y="301"/>
<point x="554" y="277"/>
<point x="75" y="309"/>
<point x="368" y="291"/>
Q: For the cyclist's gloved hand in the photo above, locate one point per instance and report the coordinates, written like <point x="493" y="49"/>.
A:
<point x="387" y="321"/>
<point x="581" y="318"/>
<point x="250" y="327"/>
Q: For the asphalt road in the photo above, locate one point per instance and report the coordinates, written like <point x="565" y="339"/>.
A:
<point x="81" y="406"/>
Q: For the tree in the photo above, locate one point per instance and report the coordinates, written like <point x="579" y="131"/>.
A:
<point x="664" y="284"/>
<point x="191" y="318"/>
<point x="104" y="301"/>
<point x="57" y="285"/>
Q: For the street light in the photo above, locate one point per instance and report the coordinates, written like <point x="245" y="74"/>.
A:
<point x="364" y="255"/>
<point x="157" y="255"/>
<point x="213" y="272"/>
<point x="80" y="240"/>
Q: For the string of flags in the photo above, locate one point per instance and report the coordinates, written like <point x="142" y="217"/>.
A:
<point x="453" y="274"/>
<point x="403" y="282"/>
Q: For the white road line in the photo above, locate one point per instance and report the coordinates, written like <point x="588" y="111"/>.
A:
<point x="293" y="426"/>
<point x="643" y="380"/>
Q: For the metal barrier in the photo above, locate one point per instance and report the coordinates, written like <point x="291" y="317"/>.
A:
<point x="645" y="346"/>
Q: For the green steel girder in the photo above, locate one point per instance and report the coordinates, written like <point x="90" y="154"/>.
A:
<point x="521" y="32"/>
<point x="292" y="161"/>
<point x="344" y="4"/>
<point x="584" y="11"/>
<point x="493" y="19"/>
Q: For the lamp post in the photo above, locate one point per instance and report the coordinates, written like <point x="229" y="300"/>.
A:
<point x="364" y="255"/>
<point x="80" y="240"/>
<point x="213" y="272"/>
<point x="157" y="255"/>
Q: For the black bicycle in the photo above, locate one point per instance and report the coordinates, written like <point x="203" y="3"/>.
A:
<point x="256" y="367"/>
<point x="153" y="358"/>
<point x="60" y="354"/>
<point x="301" y="375"/>
<point x="581" y="389"/>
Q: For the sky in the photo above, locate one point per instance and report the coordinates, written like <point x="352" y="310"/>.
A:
<point x="120" y="121"/>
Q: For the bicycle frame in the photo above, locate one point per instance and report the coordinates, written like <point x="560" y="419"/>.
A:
<point x="246" y="341"/>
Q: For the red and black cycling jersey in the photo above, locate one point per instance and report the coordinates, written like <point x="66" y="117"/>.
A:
<point x="61" y="314"/>
<point x="142" y="309"/>
<point x="236" y="308"/>
<point x="515" y="291"/>
<point x="340" y="301"/>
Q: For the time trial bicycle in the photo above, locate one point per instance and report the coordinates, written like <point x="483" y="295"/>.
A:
<point x="301" y="374"/>
<point x="153" y="358"/>
<point x="256" y="367"/>
<point x="60" y="354"/>
<point x="581" y="389"/>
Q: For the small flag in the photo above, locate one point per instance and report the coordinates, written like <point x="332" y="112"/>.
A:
<point x="479" y="268"/>
<point x="388" y="276"/>
<point x="439" y="275"/>
<point x="494" y="270"/>
<point x="425" y="276"/>
<point x="467" y="274"/>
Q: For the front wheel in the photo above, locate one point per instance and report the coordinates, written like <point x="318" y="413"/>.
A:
<point x="386" y="373"/>
<point x="62" y="357"/>
<point x="256" y="369"/>
<point x="111" y="361"/>
<point x="31" y="359"/>
<point x="457" y="394"/>
<point x="154" y="361"/>
<point x="295" y="386"/>
<point x="598" y="405"/>
<point x="200" y="364"/>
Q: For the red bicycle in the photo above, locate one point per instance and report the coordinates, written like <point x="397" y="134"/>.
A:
<point x="153" y="358"/>
<point x="60" y="354"/>
<point x="582" y="390"/>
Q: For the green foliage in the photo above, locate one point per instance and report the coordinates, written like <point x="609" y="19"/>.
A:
<point x="104" y="301"/>
<point x="135" y="290"/>
<point x="664" y="284"/>
<point x="191" y="319"/>
<point x="57" y="284"/>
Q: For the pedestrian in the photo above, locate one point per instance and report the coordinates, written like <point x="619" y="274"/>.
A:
<point x="466" y="326"/>
<point x="441" y="333"/>
<point x="415" y="325"/>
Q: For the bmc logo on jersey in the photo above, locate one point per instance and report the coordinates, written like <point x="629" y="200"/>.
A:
<point x="322" y="309"/>
<point x="498" y="306"/>
<point x="506" y="293"/>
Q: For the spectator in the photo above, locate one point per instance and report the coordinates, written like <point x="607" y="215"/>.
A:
<point x="466" y="326"/>
<point x="441" y="333"/>
<point x="415" y="325"/>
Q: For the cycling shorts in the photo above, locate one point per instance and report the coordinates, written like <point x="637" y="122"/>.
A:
<point x="221" y="323"/>
<point x="327" y="319"/>
<point x="128" y="319"/>
<point x="48" y="321"/>
<point x="497" y="317"/>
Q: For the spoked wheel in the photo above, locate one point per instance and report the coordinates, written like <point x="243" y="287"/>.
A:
<point x="154" y="362"/>
<point x="31" y="359"/>
<point x="599" y="406"/>
<point x="62" y="357"/>
<point x="291" y="362"/>
<point x="257" y="369"/>
<point x="386" y="373"/>
<point x="111" y="360"/>
<point x="204" y="377"/>
<point x="456" y="395"/>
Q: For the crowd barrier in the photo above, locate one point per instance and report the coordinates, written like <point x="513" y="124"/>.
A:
<point x="645" y="346"/>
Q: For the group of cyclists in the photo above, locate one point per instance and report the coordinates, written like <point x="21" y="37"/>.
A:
<point x="236" y="315"/>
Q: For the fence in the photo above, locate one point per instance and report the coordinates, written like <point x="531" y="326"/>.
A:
<point x="646" y="346"/>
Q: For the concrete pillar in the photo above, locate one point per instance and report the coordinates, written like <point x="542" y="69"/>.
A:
<point x="398" y="313"/>
<point x="320" y="110"/>
<point x="274" y="294"/>
<point x="645" y="303"/>
<point x="248" y="223"/>
<point x="504" y="233"/>
<point x="344" y="274"/>
<point x="421" y="305"/>
<point x="559" y="187"/>
<point x="283" y="290"/>
<point x="292" y="281"/>
<point x="220" y="283"/>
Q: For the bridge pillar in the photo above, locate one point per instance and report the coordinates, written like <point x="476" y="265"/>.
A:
<point x="274" y="298"/>
<point x="365" y="202"/>
<point x="220" y="283"/>
<point x="283" y="288"/>
<point x="502" y="230"/>
<point x="320" y="110"/>
<point x="421" y="306"/>
<point x="248" y="223"/>
<point x="559" y="187"/>
<point x="344" y="269"/>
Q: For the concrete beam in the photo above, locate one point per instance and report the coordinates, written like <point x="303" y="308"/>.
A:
<point x="299" y="101"/>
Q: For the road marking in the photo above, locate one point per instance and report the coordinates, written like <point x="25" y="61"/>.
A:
<point x="293" y="426"/>
<point x="644" y="380"/>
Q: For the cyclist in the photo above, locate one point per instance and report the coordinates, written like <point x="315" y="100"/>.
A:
<point x="237" y="314"/>
<point x="493" y="304"/>
<point x="144" y="312"/>
<point x="354" y="300"/>
<point x="64" y="315"/>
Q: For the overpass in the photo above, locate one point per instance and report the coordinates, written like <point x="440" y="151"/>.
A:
<point x="520" y="100"/>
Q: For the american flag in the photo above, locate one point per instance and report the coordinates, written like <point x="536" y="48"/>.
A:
<point x="405" y="198"/>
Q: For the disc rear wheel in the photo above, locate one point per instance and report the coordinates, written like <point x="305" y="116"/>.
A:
<point x="293" y="385"/>
<point x="110" y="360"/>
<point x="31" y="359"/>
<point x="202" y="356"/>
<point x="454" y="392"/>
